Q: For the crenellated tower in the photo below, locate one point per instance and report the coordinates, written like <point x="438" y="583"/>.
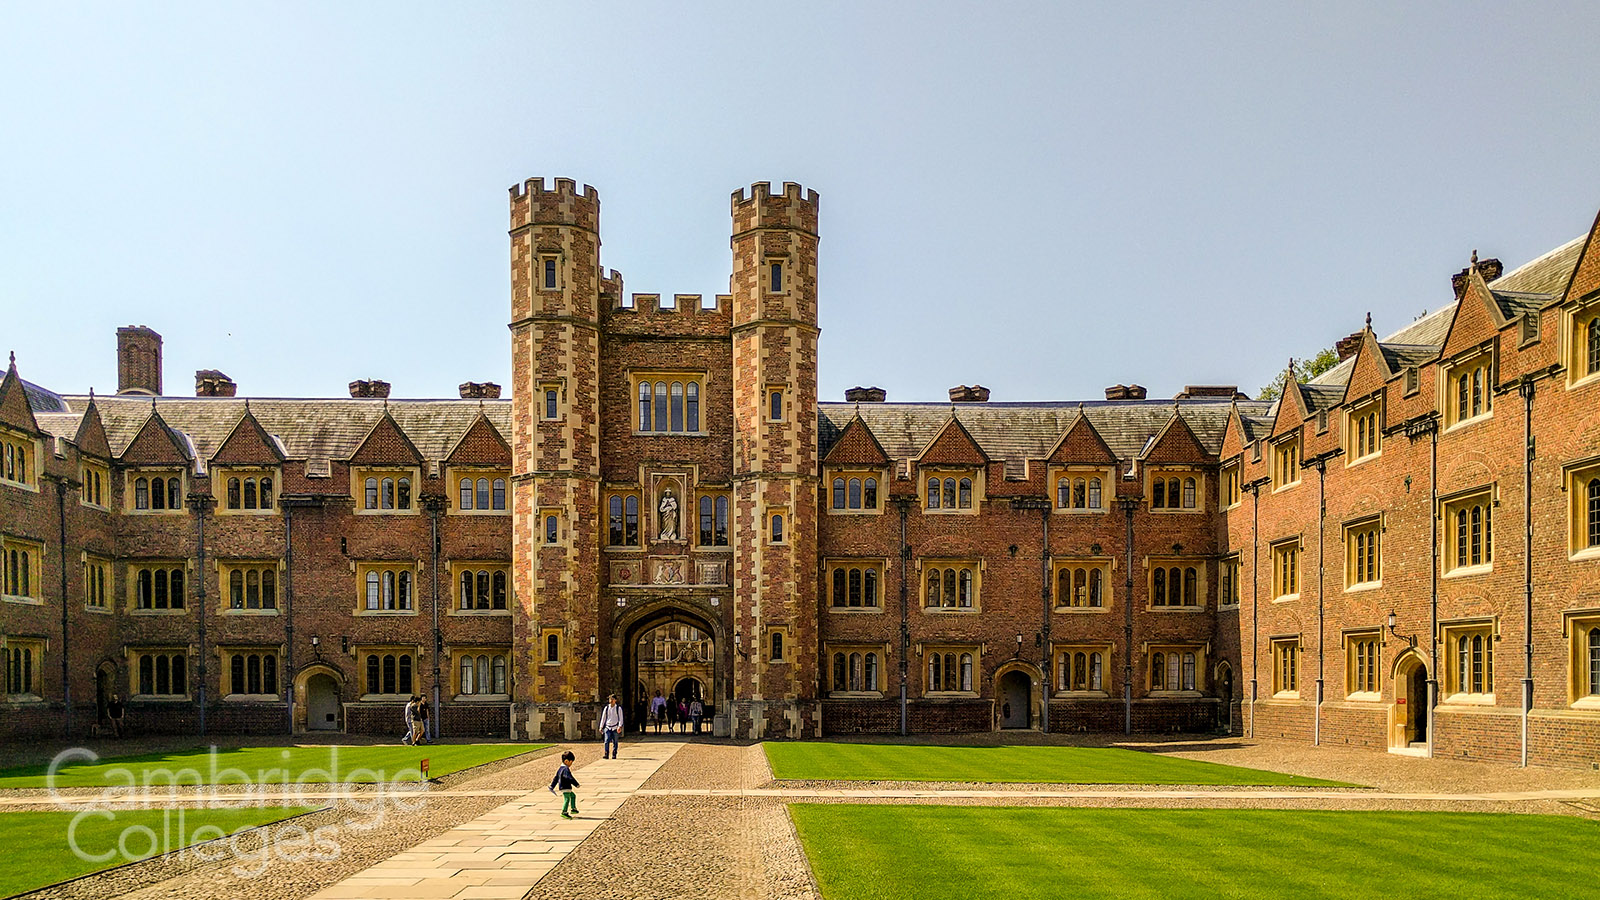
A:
<point x="555" y="348"/>
<point x="774" y="290"/>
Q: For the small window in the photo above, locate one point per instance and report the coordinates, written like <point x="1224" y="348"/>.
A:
<point x="775" y="277"/>
<point x="1286" y="667"/>
<point x="1286" y="464"/>
<point x="549" y="273"/>
<point x="1286" y="569"/>
<point x="777" y="647"/>
<point x="777" y="528"/>
<point x="775" y="406"/>
<point x="551" y="531"/>
<point x="551" y="398"/>
<point x="552" y="648"/>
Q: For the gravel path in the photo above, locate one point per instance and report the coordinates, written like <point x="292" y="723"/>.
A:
<point x="242" y="875"/>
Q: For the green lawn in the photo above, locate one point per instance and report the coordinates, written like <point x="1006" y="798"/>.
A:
<point x="266" y="766"/>
<point x="808" y="761"/>
<point x="42" y="854"/>
<point x="861" y="852"/>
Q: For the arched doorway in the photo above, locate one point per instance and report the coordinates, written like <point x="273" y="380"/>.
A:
<point x="1225" y="692"/>
<point x="676" y="652"/>
<point x="319" y="693"/>
<point x="1409" y="715"/>
<point x="1014" y="694"/>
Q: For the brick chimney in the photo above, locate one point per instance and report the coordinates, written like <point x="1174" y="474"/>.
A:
<point x="369" y="390"/>
<point x="1222" y="391"/>
<point x="1347" y="346"/>
<point x="1490" y="269"/>
<point x="479" y="390"/>
<point x="212" y="383"/>
<point x="1125" y="392"/>
<point x="865" y="395"/>
<point x="963" y="393"/>
<point x="138" y="360"/>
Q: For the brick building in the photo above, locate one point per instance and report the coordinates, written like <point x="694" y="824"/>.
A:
<point x="664" y="504"/>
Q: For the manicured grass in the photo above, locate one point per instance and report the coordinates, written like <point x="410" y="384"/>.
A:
<point x="266" y="766"/>
<point x="40" y="849"/>
<point x="862" y="852"/>
<point x="808" y="761"/>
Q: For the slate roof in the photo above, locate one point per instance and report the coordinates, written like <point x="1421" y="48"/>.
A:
<point x="1548" y="274"/>
<point x="43" y="400"/>
<point x="1322" y="396"/>
<point x="305" y="428"/>
<point x="1014" y="432"/>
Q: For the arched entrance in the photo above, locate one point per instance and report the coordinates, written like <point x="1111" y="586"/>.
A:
<point x="675" y="651"/>
<point x="319" y="691"/>
<point x="1408" y="717"/>
<point x="1014" y="699"/>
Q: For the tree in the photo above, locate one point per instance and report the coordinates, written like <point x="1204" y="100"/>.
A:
<point x="1304" y="370"/>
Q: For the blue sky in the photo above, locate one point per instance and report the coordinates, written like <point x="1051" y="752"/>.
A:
<point x="1041" y="198"/>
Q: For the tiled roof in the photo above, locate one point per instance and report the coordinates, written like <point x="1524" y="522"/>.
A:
<point x="1546" y="275"/>
<point x="1014" y="432"/>
<point x="307" y="429"/>
<point x="1516" y="303"/>
<point x="1322" y="396"/>
<point x="1400" y="356"/>
<point x="43" y="400"/>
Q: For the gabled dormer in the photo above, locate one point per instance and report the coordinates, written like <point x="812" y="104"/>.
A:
<point x="951" y="470"/>
<point x="854" y="471"/>
<point x="21" y="450"/>
<point x="94" y="458"/>
<point x="247" y="468"/>
<point x="156" y="467"/>
<point x="1174" y="464"/>
<point x="1468" y="359"/>
<point x="478" y="471"/>
<point x="1363" y="409"/>
<point x="1082" y="469"/>
<point x="385" y="470"/>
<point x="1288" y="433"/>
<point x="1580" y="316"/>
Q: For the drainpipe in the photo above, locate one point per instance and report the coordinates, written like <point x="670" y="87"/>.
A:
<point x="1433" y="577"/>
<point x="1046" y="663"/>
<point x="435" y="506"/>
<point x="1254" y="488"/>
<point x="202" y="504"/>
<point x="1322" y="516"/>
<point x="1527" y="562"/>
<point x="1128" y="505"/>
<point x="62" y="486"/>
<point x="288" y="608"/>
<point x="904" y="503"/>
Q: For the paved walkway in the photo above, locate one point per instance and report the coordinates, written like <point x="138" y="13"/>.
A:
<point x="500" y="855"/>
<point x="1113" y="793"/>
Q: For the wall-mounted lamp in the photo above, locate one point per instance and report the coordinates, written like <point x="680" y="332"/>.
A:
<point x="316" y="646"/>
<point x="344" y="643"/>
<point x="590" y="650"/>
<point x="738" y="646"/>
<point x="1410" y="639"/>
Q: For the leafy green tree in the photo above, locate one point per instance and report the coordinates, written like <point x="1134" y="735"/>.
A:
<point x="1304" y="370"/>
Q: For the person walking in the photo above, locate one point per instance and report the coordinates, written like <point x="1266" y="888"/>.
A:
<point x="424" y="712"/>
<point x="696" y="710"/>
<point x="658" y="710"/>
<point x="564" y="780"/>
<point x="411" y="720"/>
<point x="610" y="728"/>
<point x="683" y="716"/>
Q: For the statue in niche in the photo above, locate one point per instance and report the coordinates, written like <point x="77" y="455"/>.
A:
<point x="667" y="528"/>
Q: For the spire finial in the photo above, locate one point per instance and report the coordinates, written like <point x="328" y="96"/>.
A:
<point x="13" y="359"/>
<point x="247" y="406"/>
<point x="1474" y="257"/>
<point x="1369" y="320"/>
<point x="91" y="393"/>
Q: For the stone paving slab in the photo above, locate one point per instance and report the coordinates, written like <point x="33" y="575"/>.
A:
<point x="503" y="853"/>
<point x="979" y="794"/>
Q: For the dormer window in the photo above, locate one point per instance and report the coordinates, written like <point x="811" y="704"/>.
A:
<point x="854" y="491"/>
<point x="950" y="492"/>
<point x="246" y="490"/>
<point x="1470" y="390"/>
<point x="1363" y="431"/>
<point x="1081" y="491"/>
<point x="1171" y="490"/>
<point x="385" y="491"/>
<point x="156" y="492"/>
<point x="1286" y="463"/>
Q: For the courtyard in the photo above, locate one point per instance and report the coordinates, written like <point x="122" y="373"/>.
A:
<point x="977" y="816"/>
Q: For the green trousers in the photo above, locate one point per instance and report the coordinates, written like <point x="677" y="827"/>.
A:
<point x="569" y="802"/>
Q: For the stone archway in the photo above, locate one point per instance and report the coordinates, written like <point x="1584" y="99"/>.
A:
<point x="1408" y="715"/>
<point x="319" y="703"/>
<point x="667" y="646"/>
<point x="1017" y="695"/>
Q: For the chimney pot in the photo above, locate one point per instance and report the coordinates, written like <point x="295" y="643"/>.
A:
<point x="975" y="393"/>
<point x="369" y="390"/>
<point x="212" y="383"/>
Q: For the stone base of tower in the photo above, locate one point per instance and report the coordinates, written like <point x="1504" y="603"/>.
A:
<point x="759" y="720"/>
<point x="557" y="722"/>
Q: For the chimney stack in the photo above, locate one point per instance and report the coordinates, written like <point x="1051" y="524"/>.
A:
<point x="865" y="395"/>
<point x="211" y="383"/>
<point x="1490" y="269"/>
<point x="369" y="390"/>
<point x="1347" y="346"/>
<point x="479" y="390"/>
<point x="1221" y="391"/>
<point x="138" y="361"/>
<point x="963" y="393"/>
<point x="1125" y="392"/>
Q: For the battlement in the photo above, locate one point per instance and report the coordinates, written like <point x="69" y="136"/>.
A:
<point x="759" y="207"/>
<point x="684" y="314"/>
<point x="562" y="204"/>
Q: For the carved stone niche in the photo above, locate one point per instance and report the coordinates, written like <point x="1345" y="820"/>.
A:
<point x="668" y="510"/>
<point x="668" y="570"/>
<point x="627" y="571"/>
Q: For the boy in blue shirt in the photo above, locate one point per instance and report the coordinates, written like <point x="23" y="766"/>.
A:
<point x="569" y="799"/>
